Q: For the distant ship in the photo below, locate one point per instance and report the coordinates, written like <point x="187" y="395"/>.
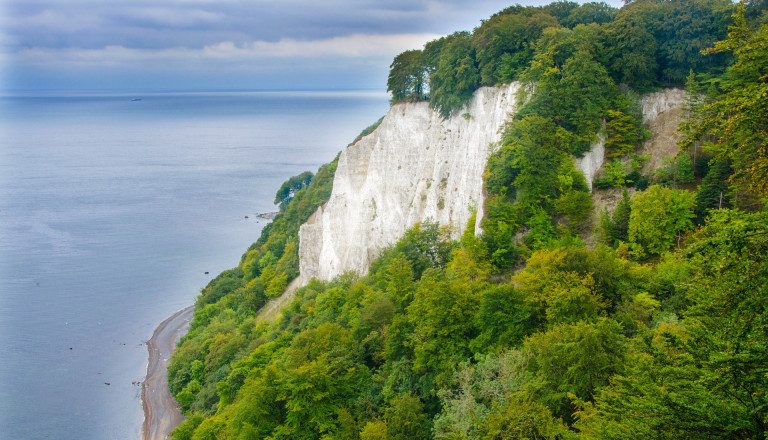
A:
<point x="135" y="99"/>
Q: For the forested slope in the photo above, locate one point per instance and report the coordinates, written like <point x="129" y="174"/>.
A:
<point x="522" y="331"/>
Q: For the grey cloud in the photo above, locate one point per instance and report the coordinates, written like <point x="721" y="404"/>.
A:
<point x="154" y="24"/>
<point x="212" y="43"/>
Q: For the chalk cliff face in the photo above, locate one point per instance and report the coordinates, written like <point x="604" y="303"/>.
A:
<point x="662" y="113"/>
<point x="415" y="166"/>
<point x="592" y="160"/>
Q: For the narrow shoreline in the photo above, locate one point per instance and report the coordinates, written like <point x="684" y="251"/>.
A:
<point x="161" y="412"/>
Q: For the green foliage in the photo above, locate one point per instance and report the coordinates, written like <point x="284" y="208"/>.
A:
<point x="714" y="192"/>
<point x="369" y="129"/>
<point x="443" y="313"/>
<point x="736" y="118"/>
<point x="407" y="77"/>
<point x="687" y="29"/>
<point x="503" y="319"/>
<point x="477" y="389"/>
<point x="425" y="246"/>
<point x="405" y="419"/>
<point x="537" y="153"/>
<point x="622" y="133"/>
<point x="455" y="76"/>
<point x="541" y="233"/>
<point x="521" y="420"/>
<point x="522" y="331"/>
<point x="703" y="378"/>
<point x="633" y="50"/>
<point x="676" y="170"/>
<point x="573" y="88"/>
<point x="220" y="331"/>
<point x="615" y="228"/>
<point x="659" y="216"/>
<point x="574" y="359"/>
<point x="587" y="13"/>
<point x="504" y="44"/>
<point x="615" y="175"/>
<point x="290" y="187"/>
<point x="187" y="428"/>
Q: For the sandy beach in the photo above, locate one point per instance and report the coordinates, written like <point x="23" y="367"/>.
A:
<point x="161" y="413"/>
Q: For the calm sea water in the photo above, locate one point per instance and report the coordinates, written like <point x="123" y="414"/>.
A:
<point x="111" y="212"/>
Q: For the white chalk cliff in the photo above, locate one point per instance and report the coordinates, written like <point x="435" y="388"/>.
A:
<point x="592" y="160"/>
<point x="415" y="166"/>
<point x="662" y="113"/>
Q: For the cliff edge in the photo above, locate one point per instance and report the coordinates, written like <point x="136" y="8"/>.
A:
<point x="415" y="166"/>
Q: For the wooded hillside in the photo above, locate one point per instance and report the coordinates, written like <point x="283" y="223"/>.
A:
<point x="656" y="329"/>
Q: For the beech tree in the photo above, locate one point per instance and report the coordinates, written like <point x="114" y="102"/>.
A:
<point x="659" y="215"/>
<point x="633" y="60"/>
<point x="504" y="44"/>
<point x="290" y="187"/>
<point x="456" y="76"/>
<point x="407" y="77"/>
<point x="574" y="359"/>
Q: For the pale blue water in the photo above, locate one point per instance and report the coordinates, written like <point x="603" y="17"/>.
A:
<point x="111" y="210"/>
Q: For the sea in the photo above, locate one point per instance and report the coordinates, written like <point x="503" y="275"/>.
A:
<point x="116" y="208"/>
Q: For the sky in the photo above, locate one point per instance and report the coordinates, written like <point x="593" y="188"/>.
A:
<point x="220" y="44"/>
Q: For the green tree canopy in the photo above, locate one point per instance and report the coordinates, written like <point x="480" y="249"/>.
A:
<point x="407" y="77"/>
<point x="738" y="118"/>
<point x="456" y="75"/>
<point x="659" y="216"/>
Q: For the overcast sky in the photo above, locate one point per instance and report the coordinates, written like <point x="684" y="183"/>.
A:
<point x="220" y="44"/>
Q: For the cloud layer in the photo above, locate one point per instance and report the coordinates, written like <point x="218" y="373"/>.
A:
<point x="219" y="43"/>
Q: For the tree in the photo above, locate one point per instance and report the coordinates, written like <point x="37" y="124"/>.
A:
<point x="537" y="154"/>
<point x="621" y="133"/>
<point x="687" y="28"/>
<point x="738" y="118"/>
<point x="729" y="312"/>
<point x="633" y="59"/>
<point x="714" y="192"/>
<point x="678" y="169"/>
<point x="405" y="419"/>
<point x="591" y="12"/>
<point x="705" y="376"/>
<point x="290" y="187"/>
<point x="503" y="319"/>
<point x="407" y="77"/>
<point x="573" y="359"/>
<point x="504" y="44"/>
<point x="456" y="76"/>
<point x="477" y="390"/>
<point x="659" y="216"/>
<point x="522" y="419"/>
<point x="616" y="227"/>
<point x="583" y="97"/>
<point x="374" y="430"/>
<point x="442" y="315"/>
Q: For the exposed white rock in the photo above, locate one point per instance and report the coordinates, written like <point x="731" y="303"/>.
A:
<point x="654" y="104"/>
<point x="592" y="160"/>
<point x="415" y="166"/>
<point x="662" y="113"/>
